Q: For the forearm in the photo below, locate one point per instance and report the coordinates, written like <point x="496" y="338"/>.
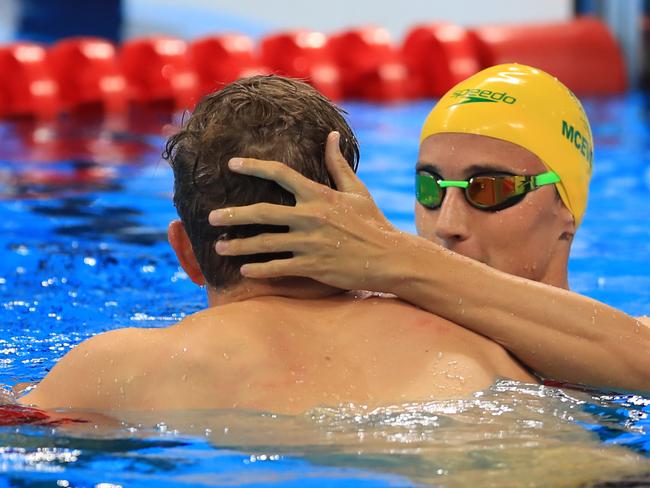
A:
<point x="558" y="333"/>
<point x="342" y="239"/>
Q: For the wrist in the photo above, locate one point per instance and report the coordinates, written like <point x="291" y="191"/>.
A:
<point x="406" y="262"/>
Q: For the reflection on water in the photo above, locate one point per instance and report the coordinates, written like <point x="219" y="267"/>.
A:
<point x="510" y="435"/>
<point x="76" y="155"/>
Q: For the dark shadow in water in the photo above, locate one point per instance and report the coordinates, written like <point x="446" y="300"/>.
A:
<point x="100" y="222"/>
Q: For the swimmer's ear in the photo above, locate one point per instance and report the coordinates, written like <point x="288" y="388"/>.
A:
<point x="180" y="242"/>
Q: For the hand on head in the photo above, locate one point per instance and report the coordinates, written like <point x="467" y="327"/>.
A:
<point x="336" y="236"/>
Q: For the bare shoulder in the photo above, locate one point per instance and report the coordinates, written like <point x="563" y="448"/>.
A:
<point x="409" y="323"/>
<point x="645" y="320"/>
<point x="408" y="314"/>
<point x="73" y="381"/>
<point x="416" y="325"/>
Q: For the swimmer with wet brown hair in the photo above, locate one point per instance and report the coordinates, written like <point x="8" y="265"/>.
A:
<point x="283" y="344"/>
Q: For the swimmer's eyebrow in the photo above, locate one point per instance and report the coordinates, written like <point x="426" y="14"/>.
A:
<point x="430" y="167"/>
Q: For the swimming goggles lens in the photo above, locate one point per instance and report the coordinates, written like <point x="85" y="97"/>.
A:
<point x="483" y="192"/>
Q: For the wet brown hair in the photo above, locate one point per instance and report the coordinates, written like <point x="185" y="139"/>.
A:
<point x="263" y="117"/>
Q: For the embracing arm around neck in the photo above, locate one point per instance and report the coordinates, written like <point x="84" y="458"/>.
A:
<point x="341" y="238"/>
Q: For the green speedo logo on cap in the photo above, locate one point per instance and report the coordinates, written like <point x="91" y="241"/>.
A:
<point x="476" y="95"/>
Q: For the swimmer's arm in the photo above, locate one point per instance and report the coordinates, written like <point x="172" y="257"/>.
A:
<point x="342" y="239"/>
<point x="559" y="334"/>
<point x="87" y="377"/>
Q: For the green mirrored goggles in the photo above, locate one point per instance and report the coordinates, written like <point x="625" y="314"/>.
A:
<point x="490" y="193"/>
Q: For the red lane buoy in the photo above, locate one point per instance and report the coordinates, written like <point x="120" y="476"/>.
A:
<point x="306" y="55"/>
<point x="87" y="72"/>
<point x="581" y="53"/>
<point x="222" y="59"/>
<point x="370" y="66"/>
<point x="437" y="56"/>
<point x="361" y="63"/>
<point x="27" y="87"/>
<point x="158" y="70"/>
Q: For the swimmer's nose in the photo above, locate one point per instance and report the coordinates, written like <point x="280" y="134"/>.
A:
<point x="452" y="225"/>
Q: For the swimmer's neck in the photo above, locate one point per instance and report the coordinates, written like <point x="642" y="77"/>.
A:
<point x="299" y="288"/>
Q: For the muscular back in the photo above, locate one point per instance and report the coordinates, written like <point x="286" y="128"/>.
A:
<point x="279" y="354"/>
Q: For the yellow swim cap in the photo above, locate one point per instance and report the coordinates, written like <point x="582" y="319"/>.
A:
<point x="528" y="107"/>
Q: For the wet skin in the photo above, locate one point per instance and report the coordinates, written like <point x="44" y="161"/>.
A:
<point x="557" y="333"/>
<point x="530" y="239"/>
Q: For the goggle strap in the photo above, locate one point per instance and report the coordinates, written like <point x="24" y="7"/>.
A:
<point x="547" y="178"/>
<point x="456" y="184"/>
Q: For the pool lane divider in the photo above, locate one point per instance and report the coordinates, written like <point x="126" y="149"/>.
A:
<point x="90" y="74"/>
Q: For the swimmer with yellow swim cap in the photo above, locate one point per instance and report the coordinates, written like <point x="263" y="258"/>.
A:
<point x="530" y="108"/>
<point x="511" y="139"/>
<point x="502" y="180"/>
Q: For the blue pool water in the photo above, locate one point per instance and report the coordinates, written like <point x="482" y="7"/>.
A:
<point x="83" y="215"/>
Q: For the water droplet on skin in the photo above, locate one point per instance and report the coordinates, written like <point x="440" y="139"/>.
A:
<point x="367" y="265"/>
<point x="226" y="356"/>
<point x="185" y="349"/>
<point x="460" y="301"/>
<point x="184" y="377"/>
<point x="452" y="363"/>
<point x="338" y="244"/>
<point x="440" y="355"/>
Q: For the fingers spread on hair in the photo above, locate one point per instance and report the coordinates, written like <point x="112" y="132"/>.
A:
<point x="276" y="268"/>
<point x="283" y="175"/>
<point x="339" y="169"/>
<point x="259" y="213"/>
<point x="260" y="244"/>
